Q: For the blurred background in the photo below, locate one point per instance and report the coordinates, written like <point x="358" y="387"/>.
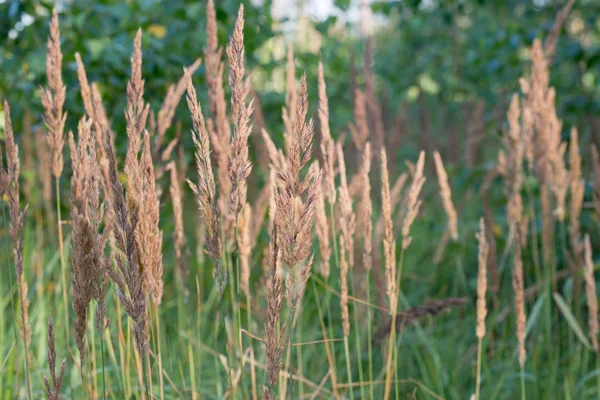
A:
<point x="443" y="69"/>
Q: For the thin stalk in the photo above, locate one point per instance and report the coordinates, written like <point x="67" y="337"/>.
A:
<point x="149" y="382"/>
<point x="63" y="262"/>
<point x="92" y="353"/>
<point x="27" y="376"/>
<point x="290" y="324"/>
<point x="369" y="337"/>
<point x="392" y="349"/>
<point x="336" y="256"/>
<point x="128" y="355"/>
<point x="159" y="355"/>
<point x="348" y="367"/>
<point x="597" y="375"/>
<point x="252" y="366"/>
<point x="523" y="394"/>
<point x="13" y="306"/>
<point x="291" y="313"/>
<point x="327" y="349"/>
<point x="192" y="368"/>
<point x="478" y="382"/>
<point x="300" y="370"/>
<point x="237" y="309"/>
<point x="231" y="352"/>
<point x="103" y="372"/>
<point x="358" y="341"/>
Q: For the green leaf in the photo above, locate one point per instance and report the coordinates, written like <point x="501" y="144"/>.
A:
<point x="571" y="320"/>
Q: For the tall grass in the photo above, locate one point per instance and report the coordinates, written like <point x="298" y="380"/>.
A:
<point x="371" y="320"/>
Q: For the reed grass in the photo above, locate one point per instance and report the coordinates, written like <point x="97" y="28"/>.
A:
<point x="252" y="332"/>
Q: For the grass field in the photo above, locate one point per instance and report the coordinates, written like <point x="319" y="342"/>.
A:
<point x="296" y="264"/>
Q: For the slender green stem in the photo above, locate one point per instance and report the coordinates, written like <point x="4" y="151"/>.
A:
<point x="523" y="394"/>
<point x="237" y="309"/>
<point x="234" y="321"/>
<point x="392" y="347"/>
<point x="102" y="358"/>
<point x="478" y="383"/>
<point x="369" y="337"/>
<point x="348" y="366"/>
<point x="252" y="366"/>
<point x="597" y="375"/>
<point x="63" y="262"/>
<point x="145" y="379"/>
<point x="159" y="355"/>
<point x="24" y="327"/>
<point x="358" y="341"/>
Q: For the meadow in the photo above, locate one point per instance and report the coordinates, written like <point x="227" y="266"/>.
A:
<point x="198" y="252"/>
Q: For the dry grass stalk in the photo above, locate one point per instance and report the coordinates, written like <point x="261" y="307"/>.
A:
<point x="128" y="274"/>
<point x="322" y="231"/>
<point x="89" y="265"/>
<point x="244" y="247"/>
<point x="413" y="203"/>
<point x="510" y="163"/>
<point x="99" y="112"/>
<point x="136" y="115"/>
<point x="559" y="20"/>
<point x="221" y="134"/>
<point x="86" y="91"/>
<point x="344" y="288"/>
<point x="298" y="145"/>
<point x="347" y="219"/>
<point x="510" y="167"/>
<point x="327" y="143"/>
<point x="577" y="188"/>
<point x="365" y="210"/>
<point x="52" y="388"/>
<point x="446" y="195"/>
<point x="481" y="279"/>
<point x="238" y="165"/>
<point x="549" y="149"/>
<point x="169" y="104"/>
<point x="148" y="234"/>
<point x="273" y="335"/>
<point x="518" y="287"/>
<point x="17" y="219"/>
<point x="360" y="129"/>
<point x="293" y="217"/>
<point x="179" y="239"/>
<point x="590" y="290"/>
<point x="205" y="190"/>
<point x="389" y="243"/>
<point x="53" y="98"/>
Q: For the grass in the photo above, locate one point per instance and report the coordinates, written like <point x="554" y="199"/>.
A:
<point x="205" y="339"/>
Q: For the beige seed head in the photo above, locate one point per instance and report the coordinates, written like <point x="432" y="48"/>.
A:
<point x="518" y="291"/>
<point x="590" y="290"/>
<point x="53" y="98"/>
<point x="413" y="204"/>
<point x="446" y="195"/>
<point x="344" y="288"/>
<point x="389" y="244"/>
<point x="481" y="279"/>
